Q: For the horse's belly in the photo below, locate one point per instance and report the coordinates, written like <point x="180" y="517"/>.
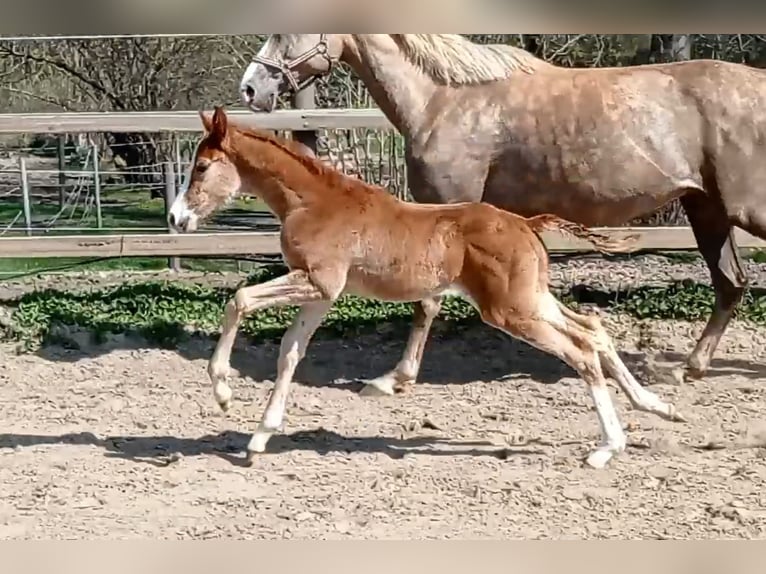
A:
<point x="394" y="285"/>
<point x="603" y="195"/>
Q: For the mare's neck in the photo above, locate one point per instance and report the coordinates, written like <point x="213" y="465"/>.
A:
<point x="399" y="88"/>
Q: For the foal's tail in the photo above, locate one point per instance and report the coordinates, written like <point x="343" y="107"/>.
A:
<point x="602" y="242"/>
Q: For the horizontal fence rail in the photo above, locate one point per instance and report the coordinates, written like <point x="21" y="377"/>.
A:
<point x="227" y="244"/>
<point x="286" y="120"/>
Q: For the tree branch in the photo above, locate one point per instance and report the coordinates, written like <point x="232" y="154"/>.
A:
<point x="66" y="68"/>
<point x="57" y="103"/>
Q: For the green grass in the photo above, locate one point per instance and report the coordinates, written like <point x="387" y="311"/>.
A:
<point x="164" y="312"/>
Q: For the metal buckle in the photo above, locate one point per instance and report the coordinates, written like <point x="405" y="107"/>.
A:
<point x="321" y="49"/>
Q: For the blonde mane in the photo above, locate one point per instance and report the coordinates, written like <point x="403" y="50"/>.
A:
<point x="453" y="59"/>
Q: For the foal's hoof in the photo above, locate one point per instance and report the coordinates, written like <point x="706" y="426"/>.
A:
<point x="675" y="416"/>
<point x="250" y="458"/>
<point x="378" y="388"/>
<point x="598" y="459"/>
<point x="404" y="387"/>
<point x="223" y="395"/>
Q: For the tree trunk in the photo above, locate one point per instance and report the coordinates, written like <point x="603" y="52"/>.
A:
<point x="681" y="47"/>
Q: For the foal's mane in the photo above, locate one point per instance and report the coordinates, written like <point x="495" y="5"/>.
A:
<point x="453" y="59"/>
<point x="297" y="151"/>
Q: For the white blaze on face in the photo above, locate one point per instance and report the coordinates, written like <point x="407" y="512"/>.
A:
<point x="181" y="216"/>
<point x="251" y="68"/>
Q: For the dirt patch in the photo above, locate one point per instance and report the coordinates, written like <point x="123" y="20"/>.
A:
<point x="125" y="441"/>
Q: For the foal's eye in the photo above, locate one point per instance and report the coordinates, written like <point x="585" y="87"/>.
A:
<point x="202" y="167"/>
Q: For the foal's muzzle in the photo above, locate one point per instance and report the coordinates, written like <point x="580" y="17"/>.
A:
<point x="185" y="222"/>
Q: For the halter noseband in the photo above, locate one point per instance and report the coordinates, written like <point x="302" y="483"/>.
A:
<point x="287" y="67"/>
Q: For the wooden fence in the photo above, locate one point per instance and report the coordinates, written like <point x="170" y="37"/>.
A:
<point x="288" y="120"/>
<point x="254" y="243"/>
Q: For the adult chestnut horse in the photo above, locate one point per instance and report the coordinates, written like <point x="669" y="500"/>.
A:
<point x="595" y="146"/>
<point x="341" y="235"/>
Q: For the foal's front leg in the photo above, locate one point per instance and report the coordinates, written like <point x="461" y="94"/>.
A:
<point x="406" y="371"/>
<point x="295" y="288"/>
<point x="291" y="352"/>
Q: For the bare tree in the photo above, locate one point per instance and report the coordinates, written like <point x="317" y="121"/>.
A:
<point x="138" y="74"/>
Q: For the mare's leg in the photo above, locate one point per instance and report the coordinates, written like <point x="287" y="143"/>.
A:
<point x="714" y="235"/>
<point x="295" y="288"/>
<point x="406" y="371"/>
<point x="291" y="353"/>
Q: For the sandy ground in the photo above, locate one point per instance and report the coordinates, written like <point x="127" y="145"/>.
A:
<point x="125" y="441"/>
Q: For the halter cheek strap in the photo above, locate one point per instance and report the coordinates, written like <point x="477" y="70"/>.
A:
<point x="288" y="67"/>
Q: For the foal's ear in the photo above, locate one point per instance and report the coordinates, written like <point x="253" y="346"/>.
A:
<point x="215" y="126"/>
<point x="220" y="124"/>
<point x="207" y="121"/>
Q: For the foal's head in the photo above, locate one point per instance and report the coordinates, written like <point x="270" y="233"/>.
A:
<point x="213" y="179"/>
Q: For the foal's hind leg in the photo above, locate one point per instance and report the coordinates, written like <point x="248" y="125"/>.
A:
<point x="551" y="332"/>
<point x="406" y="371"/>
<point x="640" y="397"/>
<point x="714" y="235"/>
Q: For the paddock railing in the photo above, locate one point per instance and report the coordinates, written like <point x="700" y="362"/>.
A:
<point x="225" y="243"/>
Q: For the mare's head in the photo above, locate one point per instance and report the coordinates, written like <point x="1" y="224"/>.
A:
<point x="213" y="179"/>
<point x="288" y="63"/>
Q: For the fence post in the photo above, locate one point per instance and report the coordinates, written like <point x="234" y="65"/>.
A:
<point x="97" y="186"/>
<point x="174" y="263"/>
<point x="26" y="205"/>
<point x="62" y="170"/>
<point x="179" y="166"/>
<point x="305" y="100"/>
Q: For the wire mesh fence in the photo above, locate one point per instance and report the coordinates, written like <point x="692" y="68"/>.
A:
<point x="91" y="190"/>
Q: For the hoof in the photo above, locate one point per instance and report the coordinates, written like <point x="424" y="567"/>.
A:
<point x="675" y="416"/>
<point x="223" y="395"/>
<point x="598" y="459"/>
<point x="383" y="388"/>
<point x="258" y="442"/>
<point x="685" y="374"/>
<point x="692" y="374"/>
<point x="404" y="387"/>
<point x="250" y="458"/>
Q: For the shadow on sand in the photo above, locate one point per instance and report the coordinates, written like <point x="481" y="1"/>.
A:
<point x="230" y="446"/>
<point x="455" y="354"/>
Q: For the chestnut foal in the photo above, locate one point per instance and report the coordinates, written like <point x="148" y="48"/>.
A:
<point x="341" y="235"/>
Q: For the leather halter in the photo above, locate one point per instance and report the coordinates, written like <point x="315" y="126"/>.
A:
<point x="288" y="67"/>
